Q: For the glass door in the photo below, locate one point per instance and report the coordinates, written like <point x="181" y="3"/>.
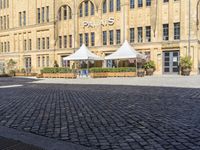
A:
<point x="171" y="62"/>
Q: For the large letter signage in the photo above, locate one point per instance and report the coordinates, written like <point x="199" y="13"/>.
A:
<point x="109" y="22"/>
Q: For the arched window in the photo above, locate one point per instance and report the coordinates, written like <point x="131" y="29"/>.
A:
<point x="88" y="8"/>
<point x="81" y="10"/>
<point x="92" y="9"/>
<point x="64" y="13"/>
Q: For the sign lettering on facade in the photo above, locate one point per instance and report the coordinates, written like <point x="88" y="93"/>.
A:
<point x="108" y="22"/>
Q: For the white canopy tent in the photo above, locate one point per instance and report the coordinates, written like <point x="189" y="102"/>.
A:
<point x="125" y="52"/>
<point x="83" y="54"/>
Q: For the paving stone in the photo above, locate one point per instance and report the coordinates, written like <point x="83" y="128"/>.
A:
<point x="105" y="117"/>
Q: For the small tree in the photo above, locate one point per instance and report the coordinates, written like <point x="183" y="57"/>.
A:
<point x="10" y="66"/>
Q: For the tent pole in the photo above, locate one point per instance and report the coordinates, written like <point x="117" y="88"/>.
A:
<point x="87" y="68"/>
<point x="136" y="67"/>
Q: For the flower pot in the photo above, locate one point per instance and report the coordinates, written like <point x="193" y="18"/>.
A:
<point x="149" y="72"/>
<point x="140" y="73"/>
<point x="185" y="71"/>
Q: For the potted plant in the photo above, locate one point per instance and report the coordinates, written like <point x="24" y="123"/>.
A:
<point x="186" y="65"/>
<point x="140" y="72"/>
<point x="149" y="67"/>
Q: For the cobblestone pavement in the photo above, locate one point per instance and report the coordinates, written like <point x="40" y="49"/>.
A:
<point x="8" y="144"/>
<point x="106" y="117"/>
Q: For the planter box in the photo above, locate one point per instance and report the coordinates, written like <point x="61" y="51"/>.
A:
<point x="59" y="75"/>
<point x="26" y="74"/>
<point x="112" y="74"/>
<point x="98" y="75"/>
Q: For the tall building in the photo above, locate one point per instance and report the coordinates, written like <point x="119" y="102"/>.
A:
<point x="35" y="33"/>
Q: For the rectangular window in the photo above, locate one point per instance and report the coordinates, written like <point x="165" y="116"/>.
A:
<point x="104" y="37"/>
<point x="132" y="4"/>
<point x="118" y="8"/>
<point x="38" y="15"/>
<point x="43" y="61"/>
<point x="38" y="60"/>
<point x="48" y="42"/>
<point x="148" y="33"/>
<point x="65" y="41"/>
<point x="20" y="19"/>
<point x="140" y="3"/>
<point x="5" y="47"/>
<point x="148" y="2"/>
<point x="25" y="45"/>
<point x="8" y="23"/>
<point x="42" y="14"/>
<point x="38" y="43"/>
<point x="43" y="43"/>
<point x="81" y="39"/>
<point x="92" y="39"/>
<point x="165" y="32"/>
<point x="24" y="18"/>
<point x="118" y="34"/>
<point x="140" y="34"/>
<point x="111" y="35"/>
<point x="4" y="22"/>
<point x="47" y="13"/>
<point x="92" y="9"/>
<point x="132" y="35"/>
<point x="70" y="41"/>
<point x="86" y="39"/>
<point x="47" y="61"/>
<point x="8" y="44"/>
<point x="177" y="31"/>
<point x="105" y="6"/>
<point x="60" y="41"/>
<point x="111" y="4"/>
<point x="81" y="11"/>
<point x="30" y="44"/>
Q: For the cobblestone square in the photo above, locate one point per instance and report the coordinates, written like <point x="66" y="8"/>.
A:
<point x="105" y="117"/>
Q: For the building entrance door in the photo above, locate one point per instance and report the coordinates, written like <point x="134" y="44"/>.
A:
<point x="171" y="61"/>
<point x="28" y="64"/>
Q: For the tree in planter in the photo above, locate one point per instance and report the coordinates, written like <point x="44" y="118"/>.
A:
<point x="10" y="66"/>
<point x="55" y="64"/>
<point x="149" y="67"/>
<point x="186" y="65"/>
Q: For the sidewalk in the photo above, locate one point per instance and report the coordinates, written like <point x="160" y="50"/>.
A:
<point x="159" y="81"/>
<point x="8" y="144"/>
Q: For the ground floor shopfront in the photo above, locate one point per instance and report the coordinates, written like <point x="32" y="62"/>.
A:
<point x="166" y="57"/>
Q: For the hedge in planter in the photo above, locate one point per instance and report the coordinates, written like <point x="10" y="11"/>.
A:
<point x="58" y="73"/>
<point x="56" y="70"/>
<point x="112" y="72"/>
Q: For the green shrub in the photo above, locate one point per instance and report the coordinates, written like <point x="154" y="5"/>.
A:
<point x="125" y="69"/>
<point x="186" y="62"/>
<point x="150" y="65"/>
<point x="56" y="70"/>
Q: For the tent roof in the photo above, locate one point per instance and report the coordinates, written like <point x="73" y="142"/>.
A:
<point x="83" y="54"/>
<point x="125" y="52"/>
